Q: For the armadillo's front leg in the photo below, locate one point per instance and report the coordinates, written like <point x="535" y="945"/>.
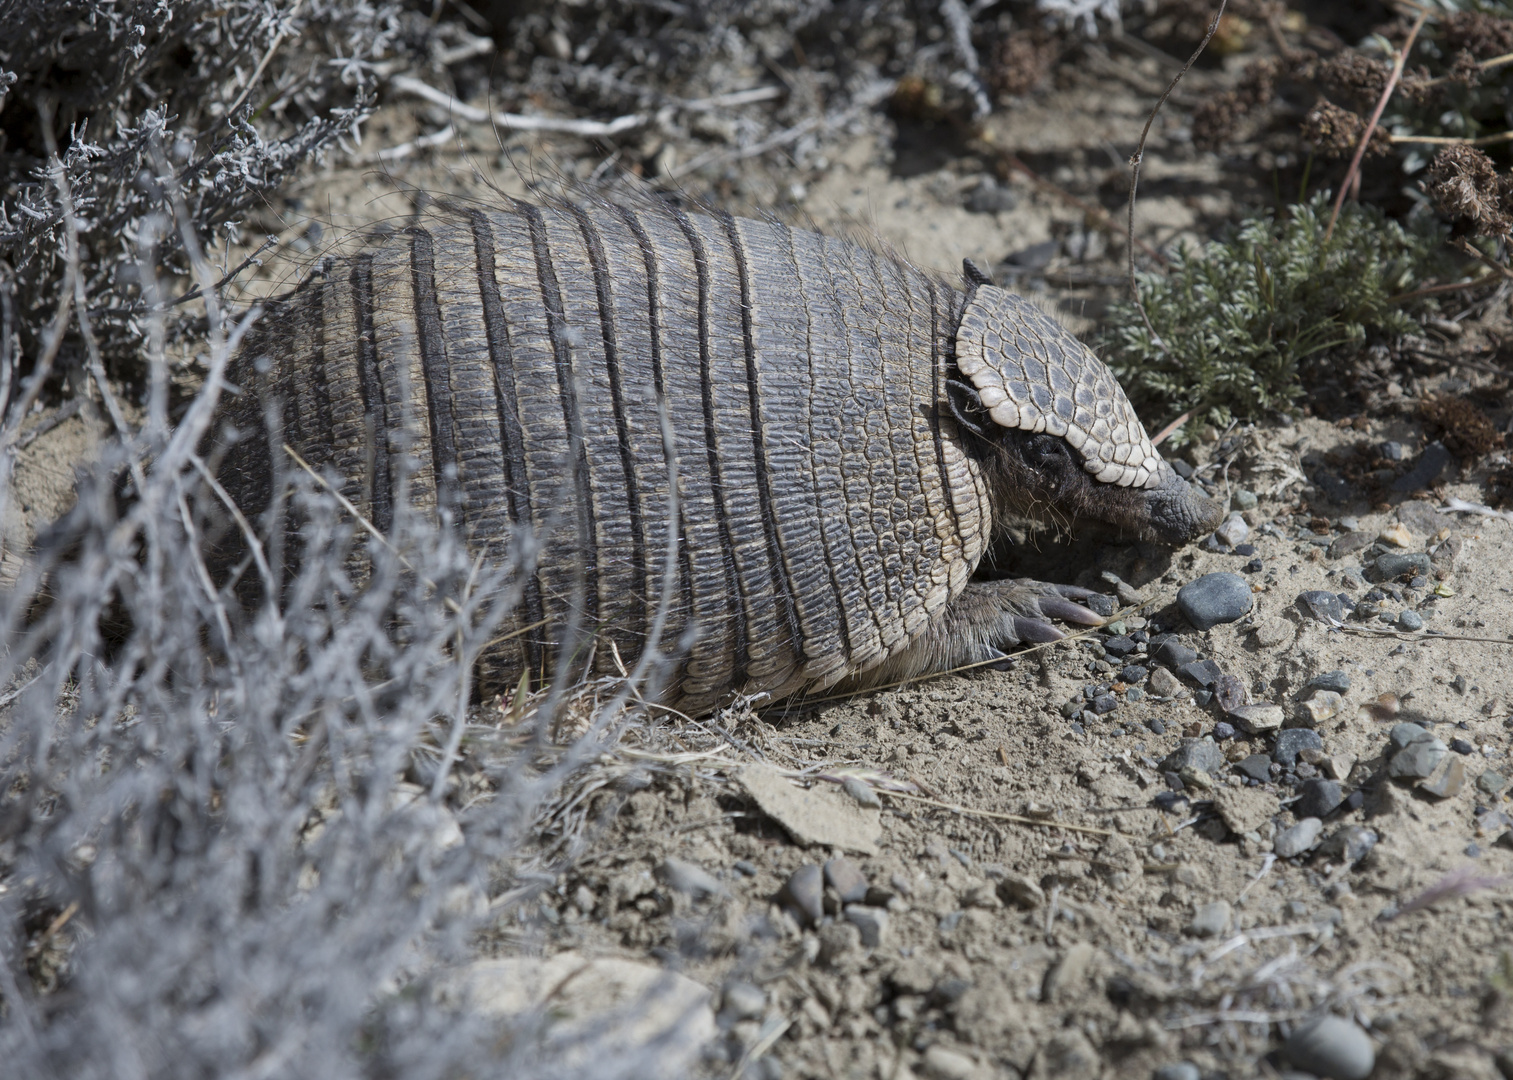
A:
<point x="988" y="617"/>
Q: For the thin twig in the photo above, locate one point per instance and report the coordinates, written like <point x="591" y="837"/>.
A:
<point x="1137" y="159"/>
<point x="262" y="65"/>
<point x="1451" y="140"/>
<point x="1484" y="65"/>
<point x="1164" y="433"/>
<point x="1466" y="247"/>
<point x="588" y="129"/>
<point x="1381" y="105"/>
<point x="1017" y="819"/>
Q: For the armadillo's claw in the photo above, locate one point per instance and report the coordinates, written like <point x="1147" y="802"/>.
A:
<point x="1058" y="608"/>
<point x="1028" y="606"/>
<point x="1033" y="631"/>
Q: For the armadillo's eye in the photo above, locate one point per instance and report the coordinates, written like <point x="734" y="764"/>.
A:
<point x="1046" y="450"/>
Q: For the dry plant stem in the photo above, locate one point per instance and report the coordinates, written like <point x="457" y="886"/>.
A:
<point x="1484" y="65"/>
<point x="1451" y="140"/>
<point x="1138" y="158"/>
<point x="1016" y="819"/>
<point x="1381" y="105"/>
<point x="1431" y="290"/>
<point x="262" y="65"/>
<point x="588" y="129"/>
<point x="1465" y="246"/>
<point x="1165" y="433"/>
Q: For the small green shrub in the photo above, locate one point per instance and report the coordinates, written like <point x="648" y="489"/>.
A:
<point x="1234" y="321"/>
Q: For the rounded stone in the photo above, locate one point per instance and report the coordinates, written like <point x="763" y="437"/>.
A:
<point x="1213" y="599"/>
<point x="1333" y="1048"/>
<point x="1410" y="620"/>
<point x="1292" y="741"/>
<point x="805" y="892"/>
<point x="1298" y="839"/>
<point x="1319" y="798"/>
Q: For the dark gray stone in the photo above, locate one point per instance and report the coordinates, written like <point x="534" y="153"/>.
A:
<point x="871" y="921"/>
<point x="1326" y="607"/>
<point x="1119" y="647"/>
<point x="1349" y="544"/>
<point x="1319" y="798"/>
<point x="1256" y="766"/>
<point x="1404" y="733"/>
<point x="1101" y="603"/>
<point x="1292" y="740"/>
<point x="1181" y="1070"/>
<point x="988" y="197"/>
<point x="1214" y="599"/>
<point x="1204" y="673"/>
<point x="1410" y="620"/>
<point x="1336" y="680"/>
<point x="1392" y="565"/>
<point x="1429" y="467"/>
<point x="1421" y="517"/>
<point x="1104" y="704"/>
<point x="1174" y="654"/>
<point x="1419" y="759"/>
<point x="1133" y="673"/>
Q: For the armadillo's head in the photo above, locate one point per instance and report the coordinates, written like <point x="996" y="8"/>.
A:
<point x="1069" y="447"/>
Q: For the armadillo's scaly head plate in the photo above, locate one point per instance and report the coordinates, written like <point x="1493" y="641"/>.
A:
<point x="1072" y="445"/>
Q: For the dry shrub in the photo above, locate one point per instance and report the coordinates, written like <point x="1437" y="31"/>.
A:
<point x="1214" y="121"/>
<point x="1465" y="430"/>
<point x="1476" y="32"/>
<point x="1335" y="132"/>
<point x="1467" y="187"/>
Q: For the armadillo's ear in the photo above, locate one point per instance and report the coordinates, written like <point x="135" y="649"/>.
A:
<point x="974" y="273"/>
<point x="967" y="407"/>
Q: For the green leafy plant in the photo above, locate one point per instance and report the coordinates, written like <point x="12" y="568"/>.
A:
<point x="1234" y="321"/>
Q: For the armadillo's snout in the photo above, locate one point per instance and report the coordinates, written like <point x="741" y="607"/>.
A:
<point x="1177" y="512"/>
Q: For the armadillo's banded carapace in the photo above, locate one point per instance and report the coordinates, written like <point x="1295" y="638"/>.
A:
<point x="517" y="356"/>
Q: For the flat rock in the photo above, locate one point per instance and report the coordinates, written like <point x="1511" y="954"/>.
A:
<point x="688" y="878"/>
<point x="849" y="883"/>
<point x="871" y="921"/>
<point x="1214" y="599"/>
<point x="1120" y="645"/>
<point x="1429" y="467"/>
<point x="1418" y="760"/>
<point x="1163" y="683"/>
<point x="1421" y="517"/>
<point x="1201" y="754"/>
<point x="599" y="1009"/>
<point x="1350" y="843"/>
<point x="812" y="816"/>
<point x="1349" y="544"/>
<point x="1298" y="839"/>
<point x="1259" y="718"/>
<point x="1331" y="1047"/>
<point x="1245" y="810"/>
<point x="1256" y="766"/>
<point x="1399" y="564"/>
<point x="1021" y="891"/>
<point x="1320" y="604"/>
<point x="1174" y="654"/>
<point x="1337" y="681"/>
<point x="1204" y="673"/>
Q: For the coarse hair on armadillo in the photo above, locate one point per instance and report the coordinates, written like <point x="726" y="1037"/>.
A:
<point x="509" y="368"/>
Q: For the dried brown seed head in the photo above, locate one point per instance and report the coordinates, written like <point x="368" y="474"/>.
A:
<point x="1465" y="185"/>
<point x="1335" y="132"/>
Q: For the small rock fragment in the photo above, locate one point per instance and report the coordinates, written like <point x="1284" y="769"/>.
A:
<point x="1233" y="531"/>
<point x="1394" y="565"/>
<point x="944" y="1064"/>
<point x="1258" y="719"/>
<point x="1204" y="673"/>
<point x="1020" y="891"/>
<point x="1491" y="782"/>
<point x="1419" y="759"/>
<point x="1210" y="920"/>
<point x="1180" y="1070"/>
<point x="1320" y="707"/>
<point x="871" y="921"/>
<point x="1447" y="780"/>
<point x="1337" y="681"/>
<point x="1202" y="754"/>
<point x="1409" y="619"/>
<point x="1104" y="704"/>
<point x="1318" y="798"/>
<point x="743" y="1001"/>
<point x="1213" y="599"/>
<point x="1132" y="674"/>
<point x="1174" y="654"/>
<point x="1120" y="646"/>
<point x="1256" y="766"/>
<point x="1326" y="607"/>
<point x="688" y="878"/>
<point x="1291" y="741"/>
<point x="1243" y="499"/>
<point x="1298" y="839"/>
<point x="1403" y="734"/>
<point x="1350" y="843"/>
<point x="804" y="891"/>
<point x="1163" y="683"/>
<point x="1349" y="544"/>
<point x="1331" y="1047"/>
<point x="812" y="816"/>
<point x="849" y="883"/>
<point x="1397" y="535"/>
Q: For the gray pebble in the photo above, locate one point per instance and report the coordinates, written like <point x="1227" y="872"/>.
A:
<point x="1331" y="1047"/>
<point x="1120" y="646"/>
<point x="1461" y="746"/>
<point x="1491" y="781"/>
<point x="1419" y="759"/>
<point x="743" y="1001"/>
<point x="1163" y="683"/>
<point x="1336" y="680"/>
<point x="1104" y="704"/>
<point x="1298" y="839"/>
<point x="1404" y="733"/>
<point x="1410" y="620"/>
<point x="1204" y="673"/>
<point x="1256" y="766"/>
<point x="1101" y="604"/>
<point x="1156" y="726"/>
<point x="1214" y="598"/>
<point x="1293" y="740"/>
<point x="805" y="892"/>
<point x="871" y="921"/>
<point x="1174" y="654"/>
<point x="1233" y="531"/>
<point x="1324" y="606"/>
<point x="1202" y="754"/>
<point x="1349" y="544"/>
<point x="943" y="1063"/>
<point x="1393" y="451"/>
<point x="988" y="197"/>
<point x="1134" y="694"/>
<point x="1181" y="1070"/>
<point x="1260" y="718"/>
<point x="1202" y="697"/>
<point x="1319" y="798"/>
<point x="1210" y="920"/>
<point x="862" y="792"/>
<point x="1243" y="499"/>
<point x="1133" y="673"/>
<point x="849" y="883"/>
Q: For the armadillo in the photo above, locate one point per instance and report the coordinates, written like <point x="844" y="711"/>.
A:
<point x="849" y="433"/>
